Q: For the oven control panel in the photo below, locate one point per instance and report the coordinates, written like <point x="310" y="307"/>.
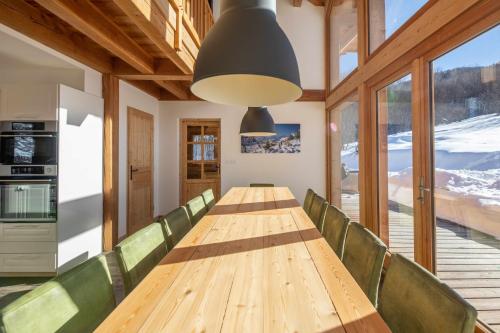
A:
<point x="28" y="170"/>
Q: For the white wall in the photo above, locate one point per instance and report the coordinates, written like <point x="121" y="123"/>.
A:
<point x="298" y="171"/>
<point x="79" y="223"/>
<point x="131" y="96"/>
<point x="305" y="28"/>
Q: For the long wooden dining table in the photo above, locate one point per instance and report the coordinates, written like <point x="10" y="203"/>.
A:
<point x="254" y="263"/>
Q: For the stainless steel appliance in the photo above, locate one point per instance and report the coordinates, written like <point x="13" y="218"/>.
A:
<point x="28" y="148"/>
<point x="28" y="171"/>
<point x="28" y="200"/>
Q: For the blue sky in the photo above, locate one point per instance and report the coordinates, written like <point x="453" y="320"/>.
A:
<point x="483" y="50"/>
<point x="286" y="129"/>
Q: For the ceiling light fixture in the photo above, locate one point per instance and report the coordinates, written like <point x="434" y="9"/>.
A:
<point x="257" y="121"/>
<point x="246" y="58"/>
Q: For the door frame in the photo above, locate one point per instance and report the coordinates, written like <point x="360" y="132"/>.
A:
<point x="131" y="110"/>
<point x="183" y="153"/>
<point x="422" y="233"/>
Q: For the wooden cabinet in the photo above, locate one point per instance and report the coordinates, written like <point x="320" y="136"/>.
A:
<point x="28" y="248"/>
<point x="28" y="263"/>
<point x="28" y="102"/>
<point x="27" y="232"/>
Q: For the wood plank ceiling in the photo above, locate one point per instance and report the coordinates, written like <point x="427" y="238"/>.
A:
<point x="152" y="44"/>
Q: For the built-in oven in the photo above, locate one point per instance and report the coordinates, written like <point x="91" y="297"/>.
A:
<point x="28" y="171"/>
<point x="28" y="199"/>
<point x="28" y="144"/>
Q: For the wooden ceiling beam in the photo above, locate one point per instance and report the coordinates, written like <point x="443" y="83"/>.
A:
<point x="318" y="2"/>
<point x="308" y="95"/>
<point x="165" y="70"/>
<point x="90" y="21"/>
<point x="142" y="14"/>
<point x="149" y="87"/>
<point x="29" y="21"/>
<point x="175" y="89"/>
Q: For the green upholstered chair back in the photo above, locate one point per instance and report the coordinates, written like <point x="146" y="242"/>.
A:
<point x="75" y="301"/>
<point x="308" y="200"/>
<point x="335" y="229"/>
<point x="139" y="253"/>
<point x="208" y="198"/>
<point x="317" y="211"/>
<point x="413" y="300"/>
<point x="196" y="209"/>
<point x="261" y="185"/>
<point x="364" y="257"/>
<point x="177" y="225"/>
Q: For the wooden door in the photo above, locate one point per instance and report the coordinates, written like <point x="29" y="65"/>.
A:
<point x="140" y="170"/>
<point x="200" y="158"/>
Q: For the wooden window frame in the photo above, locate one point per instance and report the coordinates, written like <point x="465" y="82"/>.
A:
<point x="460" y="21"/>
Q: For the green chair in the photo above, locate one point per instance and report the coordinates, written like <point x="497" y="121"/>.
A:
<point x="317" y="211"/>
<point x="261" y="185"/>
<point x="177" y="225"/>
<point x="208" y="198"/>
<point x="139" y="253"/>
<point x="308" y="200"/>
<point x="413" y="300"/>
<point x="364" y="257"/>
<point x="335" y="229"/>
<point x="196" y="209"/>
<point x="75" y="301"/>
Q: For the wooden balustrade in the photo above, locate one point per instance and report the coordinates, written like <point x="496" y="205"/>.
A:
<point x="200" y="15"/>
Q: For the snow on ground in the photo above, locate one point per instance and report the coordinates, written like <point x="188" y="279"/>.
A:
<point x="281" y="146"/>
<point x="467" y="158"/>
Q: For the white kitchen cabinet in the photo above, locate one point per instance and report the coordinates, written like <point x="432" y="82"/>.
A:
<point x="28" y="102"/>
<point x="28" y="263"/>
<point x="27" y="232"/>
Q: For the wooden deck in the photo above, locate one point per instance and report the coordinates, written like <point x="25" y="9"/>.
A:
<point x="467" y="260"/>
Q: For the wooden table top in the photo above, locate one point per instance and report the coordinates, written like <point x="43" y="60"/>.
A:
<point x="254" y="263"/>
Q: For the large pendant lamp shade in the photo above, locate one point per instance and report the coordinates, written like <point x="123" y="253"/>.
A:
<point x="257" y="122"/>
<point x="246" y="59"/>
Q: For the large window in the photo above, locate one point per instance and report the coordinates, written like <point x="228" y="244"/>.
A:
<point x="344" y="127"/>
<point x="395" y="148"/>
<point x="466" y="108"/>
<point x="343" y="40"/>
<point x="386" y="16"/>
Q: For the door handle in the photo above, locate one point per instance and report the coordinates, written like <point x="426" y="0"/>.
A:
<point x="422" y="189"/>
<point x="132" y="170"/>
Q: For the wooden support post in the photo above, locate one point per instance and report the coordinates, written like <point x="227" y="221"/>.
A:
<point x="110" y="92"/>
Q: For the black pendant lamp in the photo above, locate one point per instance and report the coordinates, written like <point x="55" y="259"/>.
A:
<point x="257" y="121"/>
<point x="246" y="59"/>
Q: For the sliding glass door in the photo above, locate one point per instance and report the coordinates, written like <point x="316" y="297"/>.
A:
<point x="395" y="165"/>
<point x="465" y="85"/>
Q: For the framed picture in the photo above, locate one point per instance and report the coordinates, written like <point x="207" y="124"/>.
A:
<point x="286" y="141"/>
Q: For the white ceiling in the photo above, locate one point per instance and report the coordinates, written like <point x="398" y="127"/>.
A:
<point x="15" y="53"/>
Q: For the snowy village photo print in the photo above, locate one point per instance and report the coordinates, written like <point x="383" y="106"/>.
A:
<point x="286" y="141"/>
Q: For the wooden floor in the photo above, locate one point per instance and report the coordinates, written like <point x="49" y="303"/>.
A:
<point x="467" y="260"/>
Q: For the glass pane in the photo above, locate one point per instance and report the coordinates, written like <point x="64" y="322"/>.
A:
<point x="194" y="133"/>
<point x="211" y="170"/>
<point x="22" y="201"/>
<point x="194" y="171"/>
<point x="194" y="152"/>
<point x="343" y="40"/>
<point x="211" y="134"/>
<point x="466" y="84"/>
<point x="386" y="16"/>
<point x="394" y="116"/>
<point x="210" y="152"/>
<point x="344" y="126"/>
